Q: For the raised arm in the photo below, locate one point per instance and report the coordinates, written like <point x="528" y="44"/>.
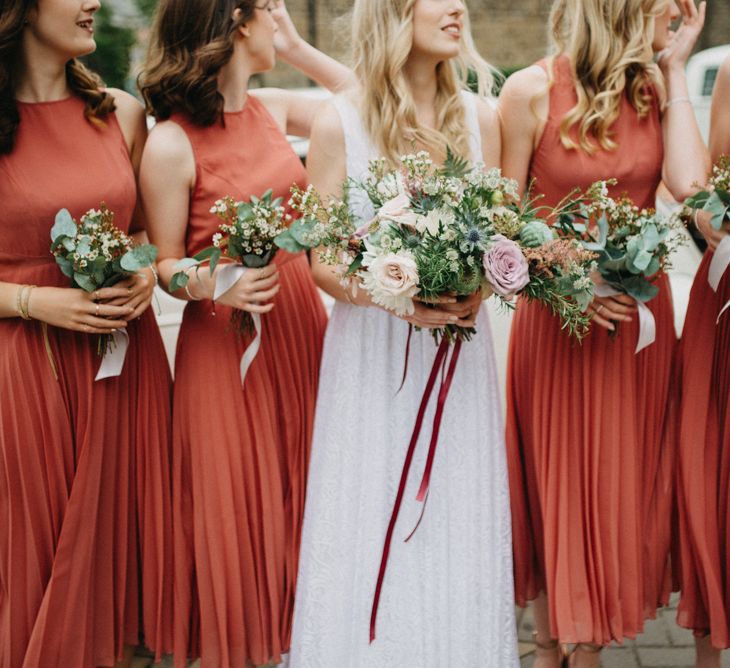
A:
<point x="296" y="110"/>
<point x="686" y="159"/>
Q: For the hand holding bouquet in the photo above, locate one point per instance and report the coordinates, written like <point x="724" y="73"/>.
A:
<point x="246" y="235"/>
<point x="94" y="253"/>
<point x="438" y="232"/>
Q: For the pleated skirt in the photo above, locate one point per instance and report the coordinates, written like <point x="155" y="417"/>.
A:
<point x="591" y="454"/>
<point x="85" y="500"/>
<point x="704" y="462"/>
<point x="240" y="467"/>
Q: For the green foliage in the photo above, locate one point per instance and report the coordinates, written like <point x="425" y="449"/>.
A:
<point x="114" y="45"/>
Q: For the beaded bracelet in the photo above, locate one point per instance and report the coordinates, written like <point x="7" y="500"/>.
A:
<point x="676" y="100"/>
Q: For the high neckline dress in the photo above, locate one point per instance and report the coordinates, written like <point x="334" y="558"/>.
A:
<point x="590" y="446"/>
<point x="84" y="465"/>
<point x="241" y="453"/>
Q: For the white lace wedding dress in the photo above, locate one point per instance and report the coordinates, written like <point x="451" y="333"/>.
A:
<point x="447" y="598"/>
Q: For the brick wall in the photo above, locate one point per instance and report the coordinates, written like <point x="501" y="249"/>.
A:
<point x="508" y="33"/>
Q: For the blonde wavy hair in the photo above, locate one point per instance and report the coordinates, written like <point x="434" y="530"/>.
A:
<point x="382" y="38"/>
<point x="609" y="46"/>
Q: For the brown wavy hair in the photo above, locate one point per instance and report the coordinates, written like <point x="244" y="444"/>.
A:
<point x="82" y="81"/>
<point x="191" y="41"/>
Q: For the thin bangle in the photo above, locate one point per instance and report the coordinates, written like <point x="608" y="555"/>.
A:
<point x="19" y="301"/>
<point x="24" y="313"/>
<point x="187" y="288"/>
<point x="155" y="274"/>
<point x="676" y="100"/>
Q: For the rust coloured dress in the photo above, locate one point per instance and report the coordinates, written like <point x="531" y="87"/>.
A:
<point x="241" y="454"/>
<point x="704" y="462"/>
<point x="589" y="454"/>
<point x="84" y="465"/>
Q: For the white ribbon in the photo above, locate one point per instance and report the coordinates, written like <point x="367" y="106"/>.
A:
<point x="718" y="266"/>
<point x="228" y="275"/>
<point x="647" y="323"/>
<point x="113" y="360"/>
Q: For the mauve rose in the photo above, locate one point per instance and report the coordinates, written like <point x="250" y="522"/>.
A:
<point x="398" y="210"/>
<point x="505" y="267"/>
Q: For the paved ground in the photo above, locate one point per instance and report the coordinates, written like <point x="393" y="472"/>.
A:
<point x="663" y="645"/>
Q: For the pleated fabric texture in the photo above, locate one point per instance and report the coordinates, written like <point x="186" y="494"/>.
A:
<point x="590" y="445"/>
<point x="85" y="501"/>
<point x="704" y="462"/>
<point x="241" y="453"/>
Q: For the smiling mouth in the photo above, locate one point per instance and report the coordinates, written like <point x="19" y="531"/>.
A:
<point x="87" y="25"/>
<point x="452" y="29"/>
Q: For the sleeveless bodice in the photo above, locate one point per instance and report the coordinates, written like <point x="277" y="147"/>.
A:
<point x="246" y="155"/>
<point x="59" y="160"/>
<point x="360" y="148"/>
<point x="636" y="164"/>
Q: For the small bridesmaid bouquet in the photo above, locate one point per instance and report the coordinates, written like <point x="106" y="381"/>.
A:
<point x="246" y="235"/>
<point x="715" y="199"/>
<point x="632" y="246"/>
<point x="94" y="253"/>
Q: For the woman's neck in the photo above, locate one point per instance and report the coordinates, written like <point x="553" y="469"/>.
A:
<point x="43" y="79"/>
<point x="421" y="78"/>
<point x="233" y="84"/>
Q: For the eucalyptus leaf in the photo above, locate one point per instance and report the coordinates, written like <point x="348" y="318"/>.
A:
<point x="698" y="200"/>
<point x="63" y="226"/>
<point x="83" y="247"/>
<point x="66" y="266"/>
<point x="68" y="244"/>
<point x="139" y="257"/>
<point x="640" y="289"/>
<point x="639" y="263"/>
<point x="287" y="241"/>
<point x="215" y="258"/>
<point x="185" y="263"/>
<point x="84" y="282"/>
<point x="178" y="280"/>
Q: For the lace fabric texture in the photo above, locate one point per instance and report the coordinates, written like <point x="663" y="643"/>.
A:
<point x="448" y="595"/>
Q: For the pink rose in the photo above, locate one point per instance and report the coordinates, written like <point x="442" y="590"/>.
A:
<point x="398" y="210"/>
<point x="505" y="267"/>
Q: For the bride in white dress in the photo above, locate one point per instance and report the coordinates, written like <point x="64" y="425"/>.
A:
<point x="447" y="597"/>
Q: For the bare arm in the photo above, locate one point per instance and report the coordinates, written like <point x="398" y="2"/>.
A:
<point x="686" y="160"/>
<point x="167" y="177"/>
<point x="295" y="111"/>
<point x="522" y="114"/>
<point x="720" y="123"/>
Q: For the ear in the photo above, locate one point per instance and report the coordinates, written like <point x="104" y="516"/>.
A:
<point x="243" y="29"/>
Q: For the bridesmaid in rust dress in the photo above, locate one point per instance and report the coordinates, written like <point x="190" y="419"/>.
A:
<point x="84" y="465"/>
<point x="704" y="449"/>
<point x="240" y="452"/>
<point x="588" y="446"/>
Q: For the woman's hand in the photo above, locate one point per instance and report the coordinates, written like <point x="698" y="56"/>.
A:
<point x="79" y="311"/>
<point x="606" y="311"/>
<point x="251" y="291"/>
<point x="712" y="236"/>
<point x="683" y="41"/>
<point x="286" y="38"/>
<point x="443" y="311"/>
<point x="139" y="290"/>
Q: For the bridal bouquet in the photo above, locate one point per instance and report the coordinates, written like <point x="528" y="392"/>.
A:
<point x="443" y="231"/>
<point x="94" y="253"/>
<point x="246" y="235"/>
<point x="716" y="198"/>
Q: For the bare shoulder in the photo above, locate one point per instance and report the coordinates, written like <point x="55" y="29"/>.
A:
<point x="328" y="136"/>
<point x="129" y="108"/>
<point x="168" y="147"/>
<point x="522" y="86"/>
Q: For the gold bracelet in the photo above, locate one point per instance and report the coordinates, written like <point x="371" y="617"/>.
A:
<point x="186" y="287"/>
<point x="25" y="301"/>
<point x="19" y="300"/>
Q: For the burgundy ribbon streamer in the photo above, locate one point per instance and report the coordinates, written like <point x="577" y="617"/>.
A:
<point x="438" y="362"/>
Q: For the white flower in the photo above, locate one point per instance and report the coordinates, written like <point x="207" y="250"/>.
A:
<point x="392" y="280"/>
<point x="430" y="222"/>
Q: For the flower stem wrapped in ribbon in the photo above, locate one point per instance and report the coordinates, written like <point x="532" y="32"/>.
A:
<point x="632" y="246"/>
<point x="246" y="236"/>
<point x="94" y="253"/>
<point x="715" y="201"/>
